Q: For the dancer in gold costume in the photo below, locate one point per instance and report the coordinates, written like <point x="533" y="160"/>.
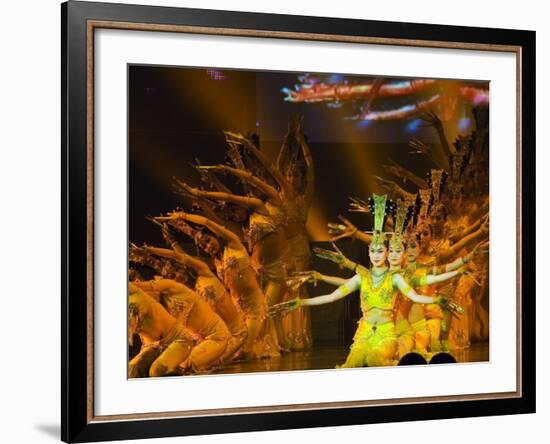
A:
<point x="196" y="315"/>
<point x="375" y="341"/>
<point x="411" y="327"/>
<point x="269" y="249"/>
<point x="211" y="290"/>
<point x="436" y="251"/>
<point x="288" y="206"/>
<point x="421" y="278"/>
<point x="166" y="343"/>
<point x="234" y="265"/>
<point x="296" y="163"/>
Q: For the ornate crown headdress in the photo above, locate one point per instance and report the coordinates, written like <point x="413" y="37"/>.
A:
<point x="400" y="217"/>
<point x="378" y="206"/>
<point x="457" y="161"/>
<point x="424" y="202"/>
<point x="436" y="180"/>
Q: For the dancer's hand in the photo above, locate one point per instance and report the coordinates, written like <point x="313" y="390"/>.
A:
<point x="177" y="220"/>
<point x="389" y="185"/>
<point x="284" y="307"/>
<point x="449" y="305"/>
<point x="300" y="278"/>
<point x="340" y="231"/>
<point x="334" y="256"/>
<point x="213" y="168"/>
<point x="136" y="253"/>
<point x="480" y="249"/>
<point x="329" y="255"/>
<point x="419" y="147"/>
<point x="173" y="216"/>
<point x="357" y="205"/>
<point x="187" y="190"/>
<point x="431" y="119"/>
<point x="397" y="171"/>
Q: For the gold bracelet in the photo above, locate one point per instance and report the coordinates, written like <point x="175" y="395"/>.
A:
<point x="343" y="289"/>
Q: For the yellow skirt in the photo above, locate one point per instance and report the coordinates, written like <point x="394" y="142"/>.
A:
<point x="373" y="345"/>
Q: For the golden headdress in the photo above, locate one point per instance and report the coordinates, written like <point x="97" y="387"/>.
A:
<point x="378" y="207"/>
<point x="437" y="179"/>
<point x="400" y="216"/>
<point x="425" y="201"/>
<point x="457" y="163"/>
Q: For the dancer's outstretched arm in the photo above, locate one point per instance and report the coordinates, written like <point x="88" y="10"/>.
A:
<point x="432" y="279"/>
<point x="405" y="174"/>
<point x="433" y="119"/>
<point x="261" y="157"/>
<point x="183" y="258"/>
<point x="347" y="229"/>
<point x="231" y="238"/>
<point x="403" y="286"/>
<point x="160" y="285"/>
<point x="348" y="287"/>
<point x="300" y="278"/>
<point x="244" y="201"/>
<point x="249" y="178"/>
<point x="465" y="242"/>
<point x="341" y="292"/>
<point x="480" y="249"/>
<point x="394" y="189"/>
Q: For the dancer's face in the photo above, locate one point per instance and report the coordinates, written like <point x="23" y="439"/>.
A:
<point x="209" y="244"/>
<point x="378" y="255"/>
<point x="182" y="277"/>
<point x="455" y="201"/>
<point x="395" y="255"/>
<point x="412" y="250"/>
<point x="295" y="179"/>
<point x="438" y="221"/>
<point x="425" y="234"/>
<point x="236" y="213"/>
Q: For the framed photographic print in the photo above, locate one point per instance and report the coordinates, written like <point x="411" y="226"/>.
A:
<point x="276" y="221"/>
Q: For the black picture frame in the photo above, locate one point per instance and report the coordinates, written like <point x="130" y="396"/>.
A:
<point x="77" y="425"/>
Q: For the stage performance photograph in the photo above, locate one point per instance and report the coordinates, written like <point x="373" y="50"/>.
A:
<point x="298" y="221"/>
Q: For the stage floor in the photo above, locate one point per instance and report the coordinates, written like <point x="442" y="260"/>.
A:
<point x="328" y="357"/>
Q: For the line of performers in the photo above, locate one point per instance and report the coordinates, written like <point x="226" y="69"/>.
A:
<point x="244" y="296"/>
